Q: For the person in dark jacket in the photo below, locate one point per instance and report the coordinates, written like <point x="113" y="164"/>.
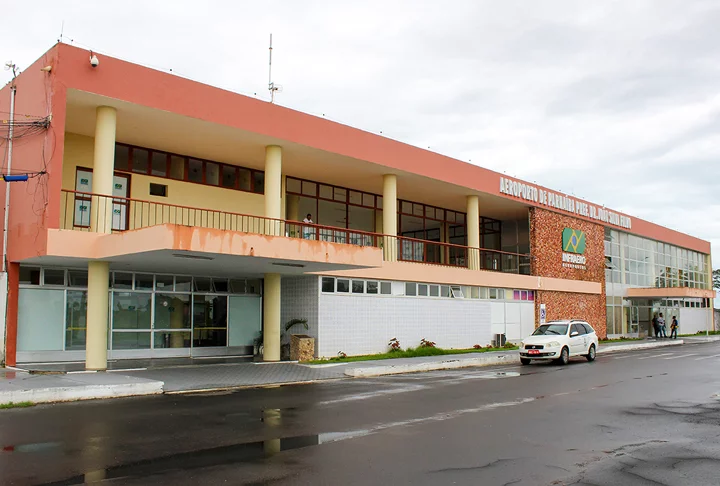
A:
<point x="674" y="328"/>
<point x="656" y="328"/>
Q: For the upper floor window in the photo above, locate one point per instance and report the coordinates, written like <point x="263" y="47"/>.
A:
<point x="190" y="169"/>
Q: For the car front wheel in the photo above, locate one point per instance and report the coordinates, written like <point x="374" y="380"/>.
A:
<point x="591" y="353"/>
<point x="564" y="356"/>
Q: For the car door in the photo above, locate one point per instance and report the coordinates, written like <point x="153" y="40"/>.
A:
<point x="577" y="336"/>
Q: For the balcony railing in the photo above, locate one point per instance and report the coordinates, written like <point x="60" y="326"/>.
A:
<point x="90" y="212"/>
<point x="438" y="253"/>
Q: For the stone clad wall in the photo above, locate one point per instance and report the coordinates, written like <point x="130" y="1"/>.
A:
<point x="546" y="229"/>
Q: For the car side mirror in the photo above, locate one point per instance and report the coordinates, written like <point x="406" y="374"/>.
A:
<point x="574" y="333"/>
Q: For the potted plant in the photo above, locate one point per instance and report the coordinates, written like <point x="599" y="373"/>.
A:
<point x="285" y="347"/>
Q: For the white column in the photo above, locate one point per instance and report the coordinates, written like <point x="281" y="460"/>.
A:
<point x="271" y="317"/>
<point x="390" y="213"/>
<point x="97" y="316"/>
<point x="103" y="169"/>
<point x="473" y="232"/>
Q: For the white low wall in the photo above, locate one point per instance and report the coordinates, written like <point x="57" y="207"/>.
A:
<point x="692" y="320"/>
<point x="364" y="324"/>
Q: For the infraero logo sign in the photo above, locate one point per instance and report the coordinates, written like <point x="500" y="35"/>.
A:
<point x="573" y="247"/>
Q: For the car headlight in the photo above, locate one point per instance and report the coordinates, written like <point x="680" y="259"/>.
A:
<point x="522" y="344"/>
<point x="553" y="344"/>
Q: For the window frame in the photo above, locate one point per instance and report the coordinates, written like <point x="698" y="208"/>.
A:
<point x="186" y="169"/>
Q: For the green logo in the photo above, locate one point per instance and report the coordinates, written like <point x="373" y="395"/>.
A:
<point x="573" y="241"/>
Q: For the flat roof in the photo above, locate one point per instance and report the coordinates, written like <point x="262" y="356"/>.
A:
<point x="132" y="83"/>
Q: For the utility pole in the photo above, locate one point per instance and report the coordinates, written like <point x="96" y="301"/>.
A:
<point x="13" y="90"/>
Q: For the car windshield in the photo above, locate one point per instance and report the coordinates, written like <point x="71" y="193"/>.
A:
<point x="551" y="330"/>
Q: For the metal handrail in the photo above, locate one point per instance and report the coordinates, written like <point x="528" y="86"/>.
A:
<point x="93" y="212"/>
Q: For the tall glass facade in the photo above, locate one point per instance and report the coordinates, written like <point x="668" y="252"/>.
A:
<point x="640" y="262"/>
<point x="633" y="261"/>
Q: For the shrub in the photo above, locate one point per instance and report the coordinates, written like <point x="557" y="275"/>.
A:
<point x="341" y="355"/>
<point x="394" y="345"/>
<point x="508" y="345"/>
<point x="424" y="343"/>
<point x="477" y="346"/>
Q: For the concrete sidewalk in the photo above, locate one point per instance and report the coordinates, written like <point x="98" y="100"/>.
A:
<point x="18" y="386"/>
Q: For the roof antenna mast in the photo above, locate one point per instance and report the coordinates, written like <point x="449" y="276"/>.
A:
<point x="272" y="86"/>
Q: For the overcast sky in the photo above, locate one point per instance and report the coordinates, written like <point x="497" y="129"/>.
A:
<point x="617" y="102"/>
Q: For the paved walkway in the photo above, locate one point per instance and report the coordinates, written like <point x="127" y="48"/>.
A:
<point x="186" y="376"/>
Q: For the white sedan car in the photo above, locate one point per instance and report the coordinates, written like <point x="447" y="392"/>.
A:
<point x="560" y="340"/>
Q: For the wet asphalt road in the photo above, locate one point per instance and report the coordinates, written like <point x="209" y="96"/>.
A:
<point x="645" y="418"/>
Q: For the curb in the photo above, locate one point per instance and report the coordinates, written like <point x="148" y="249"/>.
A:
<point x="635" y="347"/>
<point x="512" y="358"/>
<point x="87" y="392"/>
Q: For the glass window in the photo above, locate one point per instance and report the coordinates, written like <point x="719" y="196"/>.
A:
<point x="202" y="284"/>
<point x="177" y="167"/>
<point x="29" y="276"/>
<point x="293" y="185"/>
<point x="195" y="170"/>
<point x="516" y="295"/>
<point x="122" y="157"/>
<point x="501" y="294"/>
<point x="183" y="284"/>
<point x="253" y="286"/>
<point x="309" y="188"/>
<point x="355" y="198"/>
<point x="77" y="278"/>
<point x="172" y="311"/>
<point x="328" y="284"/>
<point x="444" y="291"/>
<point x="372" y="287"/>
<point x="171" y="339"/>
<point x="340" y="194"/>
<point x="368" y="200"/>
<point x="358" y="286"/>
<point x="122" y="280"/>
<point x="131" y="310"/>
<point x="326" y="192"/>
<point x="474" y="292"/>
<point x="220" y="284"/>
<point x="258" y="182"/>
<point x="229" y="174"/>
<point x="164" y="282"/>
<point x="385" y="288"/>
<point x="434" y="291"/>
<point x="493" y="294"/>
<point x="410" y="289"/>
<point x="140" y="160"/>
<point x="53" y="277"/>
<point x="244" y="180"/>
<point x="159" y="164"/>
<point x="209" y="320"/>
<point x="343" y="285"/>
<point x="131" y="340"/>
<point x="237" y="286"/>
<point x="212" y="174"/>
<point x="144" y="281"/>
<point x="75" y="320"/>
<point x="422" y="290"/>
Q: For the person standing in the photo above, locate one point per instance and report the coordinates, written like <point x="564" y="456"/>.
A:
<point x="655" y="325"/>
<point x="308" y="230"/>
<point x="661" y="326"/>
<point x="674" y="328"/>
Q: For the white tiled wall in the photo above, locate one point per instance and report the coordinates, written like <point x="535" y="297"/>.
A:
<point x="690" y="320"/>
<point x="364" y="324"/>
<point x="299" y="300"/>
<point x="515" y="319"/>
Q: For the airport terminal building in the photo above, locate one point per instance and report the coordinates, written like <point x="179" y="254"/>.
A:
<point x="164" y="217"/>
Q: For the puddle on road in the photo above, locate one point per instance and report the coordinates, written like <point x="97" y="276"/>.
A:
<point x="217" y="456"/>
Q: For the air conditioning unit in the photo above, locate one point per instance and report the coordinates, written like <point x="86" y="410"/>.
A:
<point x="499" y="341"/>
